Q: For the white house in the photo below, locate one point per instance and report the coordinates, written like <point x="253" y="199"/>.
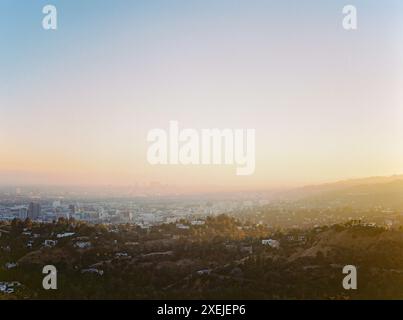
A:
<point x="272" y="243"/>
<point x="204" y="272"/>
<point x="11" y="265"/>
<point x="121" y="254"/>
<point x="182" y="226"/>
<point x="65" y="235"/>
<point x="83" y="244"/>
<point x="50" y="243"/>
<point x="93" y="270"/>
<point x="197" y="222"/>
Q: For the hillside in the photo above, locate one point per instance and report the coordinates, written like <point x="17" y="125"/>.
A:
<point x="363" y="193"/>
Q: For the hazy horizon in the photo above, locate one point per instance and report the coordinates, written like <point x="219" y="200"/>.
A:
<point x="167" y="189"/>
<point x="76" y="104"/>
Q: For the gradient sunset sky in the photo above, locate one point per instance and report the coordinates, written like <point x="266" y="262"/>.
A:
<point x="76" y="104"/>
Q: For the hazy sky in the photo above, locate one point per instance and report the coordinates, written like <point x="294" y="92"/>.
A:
<point x="76" y="104"/>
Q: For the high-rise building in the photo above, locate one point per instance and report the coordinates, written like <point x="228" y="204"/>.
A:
<point x="19" y="212"/>
<point x="22" y="213"/>
<point x="34" y="210"/>
<point x="72" y="209"/>
<point x="56" y="204"/>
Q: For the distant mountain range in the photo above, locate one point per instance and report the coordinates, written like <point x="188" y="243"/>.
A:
<point x="373" y="191"/>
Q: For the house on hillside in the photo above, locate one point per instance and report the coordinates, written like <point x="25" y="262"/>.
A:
<point x="65" y="235"/>
<point x="271" y="243"/>
<point x="10" y="265"/>
<point x="83" y="244"/>
<point x="50" y="243"/>
<point x="93" y="271"/>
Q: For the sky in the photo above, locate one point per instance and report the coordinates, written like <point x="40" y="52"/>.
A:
<point x="76" y="104"/>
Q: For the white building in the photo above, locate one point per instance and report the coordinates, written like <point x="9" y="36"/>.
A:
<point x="182" y="226"/>
<point x="272" y="243"/>
<point x="65" y="235"/>
<point x="93" y="270"/>
<point x="197" y="222"/>
<point x="83" y="244"/>
<point x="50" y="243"/>
<point x="11" y="265"/>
